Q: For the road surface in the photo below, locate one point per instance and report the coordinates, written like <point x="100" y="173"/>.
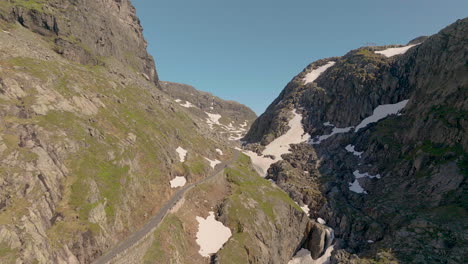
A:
<point x="155" y="220"/>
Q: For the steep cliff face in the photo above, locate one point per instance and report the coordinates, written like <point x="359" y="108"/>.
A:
<point x="84" y="31"/>
<point x="386" y="163"/>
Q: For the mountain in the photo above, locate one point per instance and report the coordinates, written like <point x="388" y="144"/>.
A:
<point x="229" y="120"/>
<point x="379" y="150"/>
<point x="92" y="145"/>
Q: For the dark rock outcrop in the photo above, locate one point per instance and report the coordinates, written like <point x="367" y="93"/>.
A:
<point x="417" y="205"/>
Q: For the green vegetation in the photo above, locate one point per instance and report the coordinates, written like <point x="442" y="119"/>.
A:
<point x="169" y="239"/>
<point x="251" y="206"/>
<point x="30" y="4"/>
<point x="449" y="115"/>
<point x="7" y="255"/>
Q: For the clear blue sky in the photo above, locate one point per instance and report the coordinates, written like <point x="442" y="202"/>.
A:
<point x="248" y="50"/>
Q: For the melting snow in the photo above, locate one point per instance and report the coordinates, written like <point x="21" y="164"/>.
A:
<point x="213" y="119"/>
<point x="351" y="148"/>
<point x="244" y="124"/>
<point x="370" y="241"/>
<point x="182" y="153"/>
<point x="336" y="130"/>
<point x="381" y="112"/>
<point x="220" y="152"/>
<point x="356" y="187"/>
<point x="359" y="175"/>
<point x="314" y="74"/>
<point x="178" y="181"/>
<point x="178" y="100"/>
<point x="306" y="209"/>
<point x="395" y="51"/>
<point x="280" y="145"/>
<point x="213" y="163"/>
<point x="211" y="235"/>
<point x="187" y="104"/>
<point x="321" y="221"/>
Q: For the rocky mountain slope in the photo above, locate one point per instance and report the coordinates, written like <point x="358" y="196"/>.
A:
<point x="90" y="145"/>
<point x="386" y="163"/>
<point x="229" y="120"/>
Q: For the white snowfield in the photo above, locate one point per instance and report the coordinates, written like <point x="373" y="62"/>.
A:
<point x="355" y="186"/>
<point x="306" y="209"/>
<point x="187" y="104"/>
<point x="359" y="175"/>
<point x="395" y="51"/>
<point x="182" y="153"/>
<point x="213" y="163"/>
<point x="220" y="152"/>
<point x="314" y="74"/>
<point x="351" y="148"/>
<point x="321" y="221"/>
<point x="336" y="130"/>
<point x="381" y="112"/>
<point x="213" y="119"/>
<point x="280" y="145"/>
<point x="178" y="181"/>
<point x="211" y="235"/>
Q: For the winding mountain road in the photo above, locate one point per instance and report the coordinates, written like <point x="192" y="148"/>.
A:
<point x="155" y="220"/>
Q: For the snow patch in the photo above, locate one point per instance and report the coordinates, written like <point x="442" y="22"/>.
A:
<point x="211" y="235"/>
<point x="187" y="104"/>
<point x="220" y="152"/>
<point x="213" y="163"/>
<point x="178" y="181"/>
<point x="182" y="153"/>
<point x="213" y="119"/>
<point x="382" y="111"/>
<point x="395" y="51"/>
<point x="370" y="241"/>
<point x="321" y="221"/>
<point x="178" y="100"/>
<point x="359" y="175"/>
<point x="314" y="74"/>
<point x="356" y="187"/>
<point x="351" y="148"/>
<point x="280" y="145"/>
<point x="306" y="209"/>
<point x="336" y="130"/>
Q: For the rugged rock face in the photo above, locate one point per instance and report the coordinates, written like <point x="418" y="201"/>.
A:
<point x="86" y="30"/>
<point x="415" y="211"/>
<point x="88" y="144"/>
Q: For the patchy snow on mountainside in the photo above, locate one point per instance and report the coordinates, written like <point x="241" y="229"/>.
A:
<point x="178" y="181"/>
<point x="187" y="104"/>
<point x="280" y="145"/>
<point x="178" y="100"/>
<point x="306" y="209"/>
<point x="321" y="221"/>
<point x="356" y="187"/>
<point x="182" y="153"/>
<point x="395" y="51"/>
<point x="213" y="163"/>
<point x="314" y="74"/>
<point x="220" y="152"/>
<point x="359" y="175"/>
<point x="211" y="235"/>
<point x="380" y="112"/>
<point x="213" y="119"/>
<point x="351" y="148"/>
<point x="336" y="130"/>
